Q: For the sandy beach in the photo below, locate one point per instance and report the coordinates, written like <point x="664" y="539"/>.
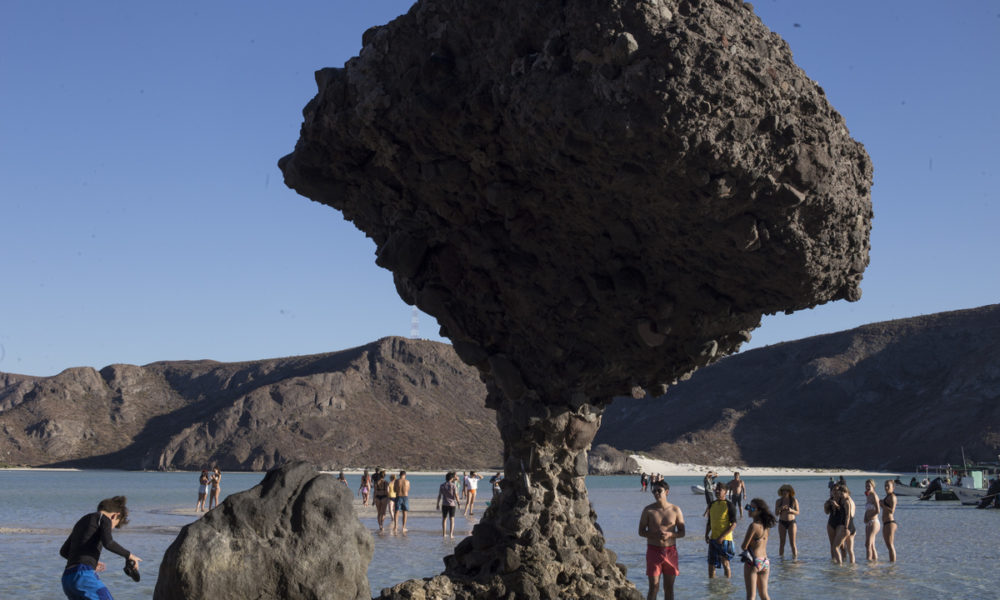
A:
<point x="669" y="469"/>
<point x="646" y="465"/>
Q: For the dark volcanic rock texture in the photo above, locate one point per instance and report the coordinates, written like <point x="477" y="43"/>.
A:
<point x="590" y="195"/>
<point x="294" y="536"/>
<point x="407" y="403"/>
<point x="889" y="395"/>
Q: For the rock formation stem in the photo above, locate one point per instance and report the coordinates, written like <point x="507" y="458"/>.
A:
<point x="539" y="538"/>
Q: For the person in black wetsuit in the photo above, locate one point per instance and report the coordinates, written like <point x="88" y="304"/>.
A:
<point x="82" y="550"/>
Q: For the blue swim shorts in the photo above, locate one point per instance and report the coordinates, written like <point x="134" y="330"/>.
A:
<point x="80" y="582"/>
<point x="403" y="503"/>
<point x="720" y="552"/>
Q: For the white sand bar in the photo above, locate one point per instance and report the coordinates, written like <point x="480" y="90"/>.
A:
<point x="669" y="469"/>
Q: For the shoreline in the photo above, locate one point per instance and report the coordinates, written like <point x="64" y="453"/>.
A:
<point x="646" y="465"/>
<point x="670" y="469"/>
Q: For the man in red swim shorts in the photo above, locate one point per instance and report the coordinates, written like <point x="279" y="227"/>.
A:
<point x="661" y="524"/>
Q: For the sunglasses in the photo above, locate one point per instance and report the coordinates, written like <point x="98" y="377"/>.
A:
<point x="750" y="508"/>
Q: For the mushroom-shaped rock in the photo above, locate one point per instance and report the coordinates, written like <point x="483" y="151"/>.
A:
<point x="591" y="198"/>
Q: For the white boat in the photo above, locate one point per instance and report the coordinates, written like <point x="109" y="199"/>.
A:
<point x="697" y="489"/>
<point x="975" y="482"/>
<point x="967" y="495"/>
<point x="970" y="481"/>
<point x="903" y="489"/>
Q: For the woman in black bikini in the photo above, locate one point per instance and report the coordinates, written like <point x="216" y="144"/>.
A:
<point x="786" y="508"/>
<point x="381" y="498"/>
<point x="889" y="519"/>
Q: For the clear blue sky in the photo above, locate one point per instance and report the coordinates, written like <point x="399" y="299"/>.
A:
<point x="143" y="216"/>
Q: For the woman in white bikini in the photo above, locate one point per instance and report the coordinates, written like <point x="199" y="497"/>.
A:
<point x="871" y="519"/>
<point x="366" y="487"/>
<point x="202" y="491"/>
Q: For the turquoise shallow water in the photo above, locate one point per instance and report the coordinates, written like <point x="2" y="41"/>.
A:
<point x="944" y="548"/>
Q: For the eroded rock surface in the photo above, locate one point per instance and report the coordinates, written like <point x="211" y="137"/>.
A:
<point x="619" y="188"/>
<point x="591" y="198"/>
<point x="604" y="459"/>
<point x="293" y="536"/>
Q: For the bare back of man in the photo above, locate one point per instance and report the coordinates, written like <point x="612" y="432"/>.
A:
<point x="402" y="498"/>
<point x="661" y="523"/>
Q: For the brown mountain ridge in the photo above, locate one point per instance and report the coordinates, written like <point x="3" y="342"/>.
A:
<point x="888" y="395"/>
<point x="395" y="401"/>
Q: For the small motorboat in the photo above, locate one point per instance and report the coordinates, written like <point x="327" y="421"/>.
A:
<point x="966" y="494"/>
<point x="903" y="489"/>
<point x="697" y="489"/>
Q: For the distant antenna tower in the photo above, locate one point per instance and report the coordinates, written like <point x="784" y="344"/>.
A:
<point x="414" y="325"/>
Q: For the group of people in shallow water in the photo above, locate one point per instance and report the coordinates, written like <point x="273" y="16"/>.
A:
<point x="880" y="514"/>
<point x="662" y="523"/>
<point x="390" y="496"/>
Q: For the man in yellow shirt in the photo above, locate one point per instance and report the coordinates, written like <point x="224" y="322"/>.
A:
<point x="719" y="532"/>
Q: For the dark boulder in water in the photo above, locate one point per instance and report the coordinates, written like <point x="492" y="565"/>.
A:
<point x="293" y="536"/>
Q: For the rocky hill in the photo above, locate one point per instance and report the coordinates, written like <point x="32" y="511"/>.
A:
<point x="393" y="402"/>
<point x="886" y="395"/>
<point x="883" y="396"/>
